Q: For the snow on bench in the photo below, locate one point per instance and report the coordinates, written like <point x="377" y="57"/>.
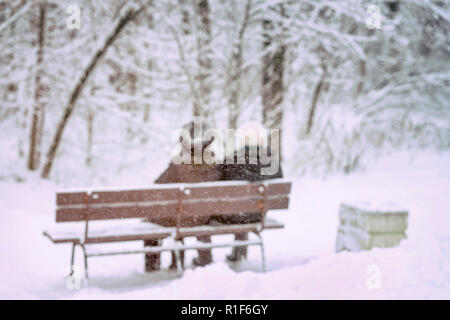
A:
<point x="139" y="230"/>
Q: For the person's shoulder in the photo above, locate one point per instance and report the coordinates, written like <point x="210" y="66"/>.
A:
<point x="169" y="175"/>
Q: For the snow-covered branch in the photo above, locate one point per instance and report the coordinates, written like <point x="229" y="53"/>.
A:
<point x="16" y="15"/>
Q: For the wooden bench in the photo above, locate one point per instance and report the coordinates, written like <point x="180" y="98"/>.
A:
<point x="182" y="204"/>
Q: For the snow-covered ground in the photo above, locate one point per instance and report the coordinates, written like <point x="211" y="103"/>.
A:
<point x="301" y="261"/>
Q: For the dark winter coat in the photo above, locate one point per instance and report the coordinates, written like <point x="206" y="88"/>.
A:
<point x="247" y="172"/>
<point x="190" y="173"/>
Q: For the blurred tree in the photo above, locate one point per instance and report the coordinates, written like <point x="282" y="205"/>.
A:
<point x="273" y="65"/>
<point x="204" y="58"/>
<point x="129" y="15"/>
<point x="38" y="115"/>
<point x="237" y="70"/>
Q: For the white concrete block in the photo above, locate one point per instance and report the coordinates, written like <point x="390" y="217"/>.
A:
<point x="363" y="226"/>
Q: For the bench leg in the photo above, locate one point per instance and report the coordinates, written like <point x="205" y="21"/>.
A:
<point x="263" y="256"/>
<point x="72" y="260"/>
<point x="173" y="264"/>
<point x="178" y="260"/>
<point x="73" y="281"/>
<point x="85" y="262"/>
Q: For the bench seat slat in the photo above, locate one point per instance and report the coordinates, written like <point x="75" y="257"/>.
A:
<point x="269" y="223"/>
<point x="102" y="234"/>
<point x="147" y="231"/>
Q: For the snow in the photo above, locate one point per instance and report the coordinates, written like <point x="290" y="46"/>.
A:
<point x="15" y="16"/>
<point x="301" y="262"/>
<point x="377" y="207"/>
<point x="383" y="93"/>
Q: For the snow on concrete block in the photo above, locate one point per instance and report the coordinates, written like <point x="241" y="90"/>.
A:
<point x="364" y="226"/>
<point x="383" y="218"/>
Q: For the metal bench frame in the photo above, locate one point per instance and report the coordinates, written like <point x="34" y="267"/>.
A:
<point x="177" y="233"/>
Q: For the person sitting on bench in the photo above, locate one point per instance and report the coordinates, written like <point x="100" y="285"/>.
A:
<point x="188" y="173"/>
<point x="249" y="172"/>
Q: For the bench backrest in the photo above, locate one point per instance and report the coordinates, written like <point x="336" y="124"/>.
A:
<point x="185" y="201"/>
<point x="120" y="204"/>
